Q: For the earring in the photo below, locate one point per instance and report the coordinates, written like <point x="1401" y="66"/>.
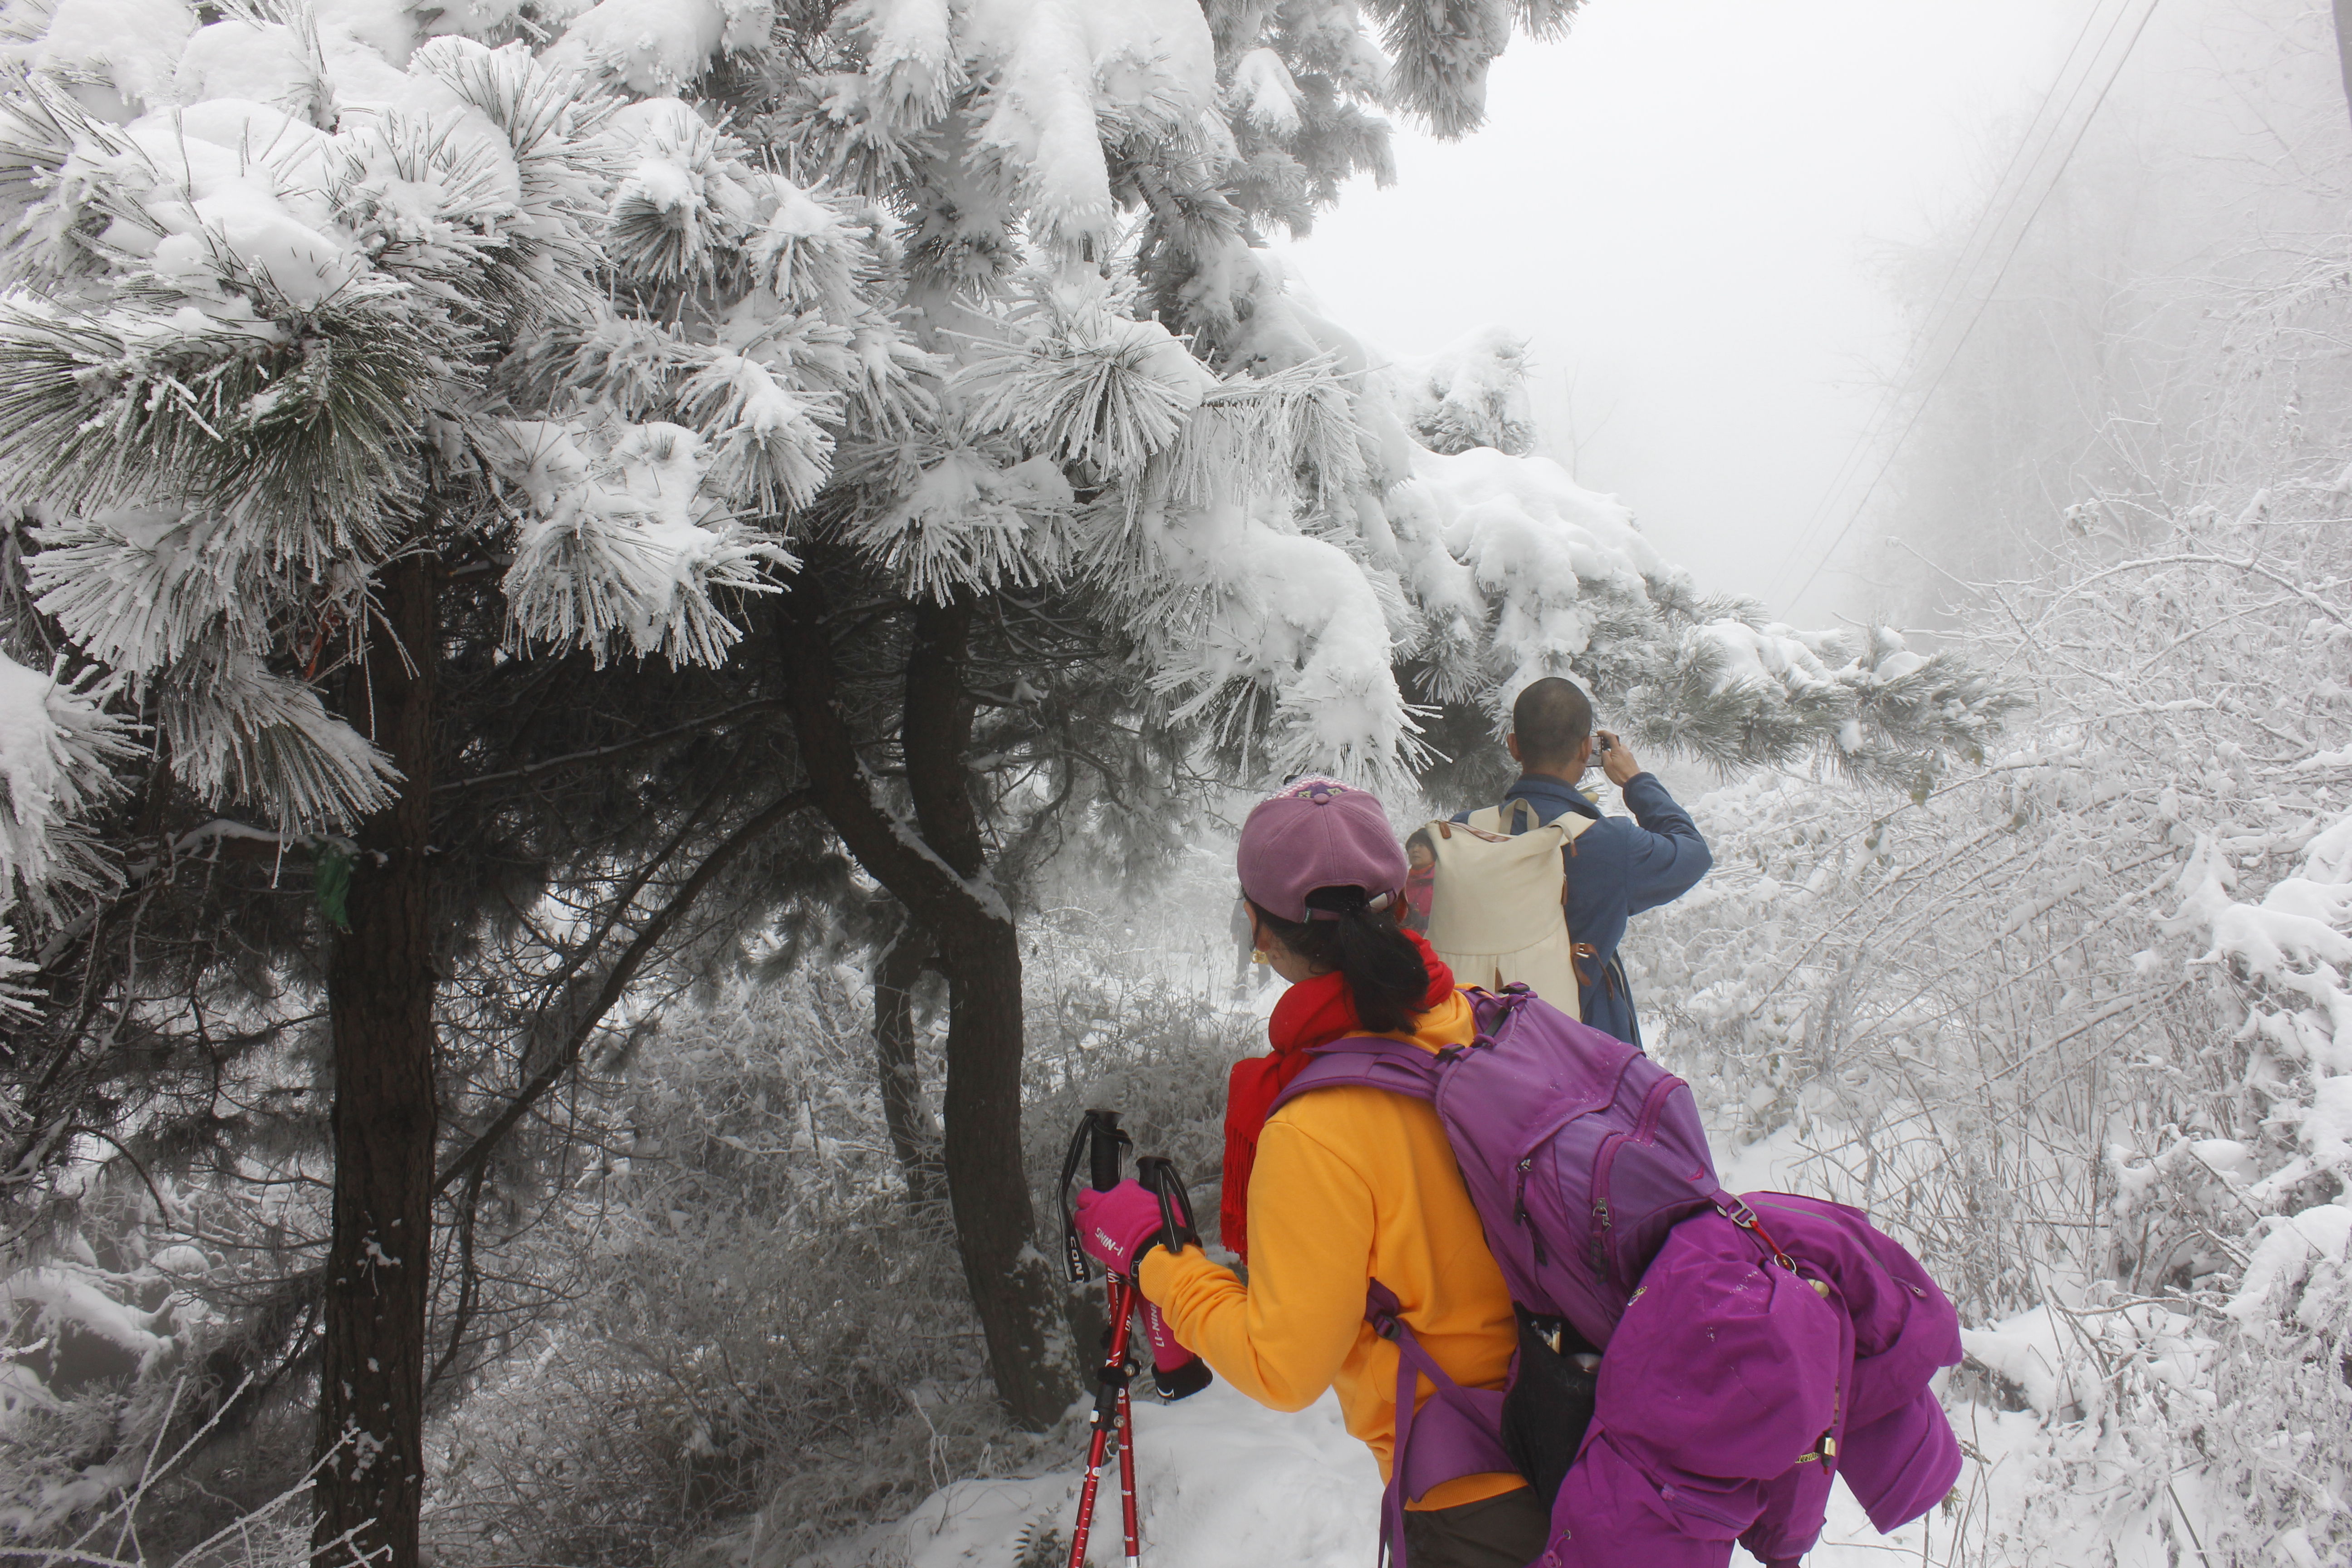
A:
<point x="1257" y="955"/>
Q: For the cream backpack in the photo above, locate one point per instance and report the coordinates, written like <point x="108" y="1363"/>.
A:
<point x="1497" y="907"/>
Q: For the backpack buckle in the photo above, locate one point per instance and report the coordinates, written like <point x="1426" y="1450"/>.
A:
<point x="1740" y="1214"/>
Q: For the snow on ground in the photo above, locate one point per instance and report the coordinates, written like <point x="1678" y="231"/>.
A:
<point x="1222" y="1483"/>
<point x="1225" y="1483"/>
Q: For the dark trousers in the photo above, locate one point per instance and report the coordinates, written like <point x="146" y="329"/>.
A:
<point x="1507" y="1531"/>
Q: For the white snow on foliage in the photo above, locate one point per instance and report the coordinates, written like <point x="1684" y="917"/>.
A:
<point x="57" y="745"/>
<point x="1298" y="613"/>
<point x="134" y="45"/>
<point x="619" y="551"/>
<point x="1263" y="88"/>
<point x="1471" y="393"/>
<point x="1295" y="521"/>
<point x="2297" y="940"/>
<point x="242" y="173"/>
<point x="1055" y="70"/>
<point x="654" y="46"/>
<point x="65" y="1296"/>
<point x="1542" y="547"/>
<point x="2281" y="1260"/>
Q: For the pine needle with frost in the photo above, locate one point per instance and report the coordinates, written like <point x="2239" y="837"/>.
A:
<point x="304" y="439"/>
<point x="138" y="588"/>
<point x="770" y="451"/>
<point x="1291" y="437"/>
<point x="1091" y="393"/>
<point x="959" y="517"/>
<point x="233" y="729"/>
<point x="59" y="748"/>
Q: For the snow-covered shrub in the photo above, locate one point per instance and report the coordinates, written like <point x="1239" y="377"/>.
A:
<point x="2077" y="1022"/>
<point x="125" y="1373"/>
<point x="756" y="1321"/>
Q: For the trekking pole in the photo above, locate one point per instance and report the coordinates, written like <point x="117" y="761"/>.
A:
<point x="1099" y="1142"/>
<point x="1176" y="1372"/>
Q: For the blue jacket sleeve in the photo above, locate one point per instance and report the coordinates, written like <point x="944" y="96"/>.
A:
<point x="1667" y="857"/>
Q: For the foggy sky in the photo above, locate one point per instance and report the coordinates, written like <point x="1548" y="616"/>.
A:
<point x="1684" y="205"/>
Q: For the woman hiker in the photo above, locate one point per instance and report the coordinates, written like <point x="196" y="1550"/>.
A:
<point x="1344" y="1185"/>
<point x="1695" y="1433"/>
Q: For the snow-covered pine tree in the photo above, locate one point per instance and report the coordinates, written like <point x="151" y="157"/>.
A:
<point x="299" y="303"/>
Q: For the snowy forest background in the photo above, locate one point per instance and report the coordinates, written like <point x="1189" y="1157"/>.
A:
<point x="632" y="635"/>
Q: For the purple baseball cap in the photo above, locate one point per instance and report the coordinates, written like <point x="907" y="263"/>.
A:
<point x="1318" y="833"/>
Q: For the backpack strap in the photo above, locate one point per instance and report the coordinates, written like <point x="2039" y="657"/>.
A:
<point x="1460" y="1429"/>
<point x="1517" y="815"/>
<point x="1398" y="1066"/>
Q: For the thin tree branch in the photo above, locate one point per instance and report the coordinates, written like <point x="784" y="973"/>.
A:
<point x="618" y="748"/>
<point x="616" y="982"/>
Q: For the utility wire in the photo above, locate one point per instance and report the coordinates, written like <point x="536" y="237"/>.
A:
<point x="1928" y="396"/>
<point x="1941" y="309"/>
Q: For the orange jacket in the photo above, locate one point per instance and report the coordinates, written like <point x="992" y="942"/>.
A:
<point x="1351" y="1184"/>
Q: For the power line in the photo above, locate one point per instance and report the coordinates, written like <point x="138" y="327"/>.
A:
<point x="2015" y="245"/>
<point x="1946" y="302"/>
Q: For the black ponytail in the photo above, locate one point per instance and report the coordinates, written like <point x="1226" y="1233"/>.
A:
<point x="1386" y="977"/>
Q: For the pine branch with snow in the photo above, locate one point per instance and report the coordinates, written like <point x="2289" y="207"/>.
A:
<point x="294" y="437"/>
<point x="1471" y="393"/>
<point x="1740" y="695"/>
<point x="238" y="732"/>
<point x="60" y="745"/>
<point x="263" y="320"/>
<point x="1094" y="390"/>
<point x="624" y="549"/>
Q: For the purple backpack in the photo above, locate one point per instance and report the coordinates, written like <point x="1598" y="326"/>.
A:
<point x="1580" y="1153"/>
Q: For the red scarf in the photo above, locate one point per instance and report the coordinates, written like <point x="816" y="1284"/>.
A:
<point x="1311" y="1012"/>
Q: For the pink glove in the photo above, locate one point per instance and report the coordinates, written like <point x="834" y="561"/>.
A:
<point x="1117" y="1226"/>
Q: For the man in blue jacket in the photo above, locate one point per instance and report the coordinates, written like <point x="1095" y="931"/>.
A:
<point x="1617" y="868"/>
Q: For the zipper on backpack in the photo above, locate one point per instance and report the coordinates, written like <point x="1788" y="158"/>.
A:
<point x="1603" y="1164"/>
<point x="1519" y="1212"/>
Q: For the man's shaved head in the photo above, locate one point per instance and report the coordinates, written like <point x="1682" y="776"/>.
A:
<point x="1552" y="718"/>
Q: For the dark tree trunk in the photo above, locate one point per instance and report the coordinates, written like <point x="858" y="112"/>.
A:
<point x="914" y="1137"/>
<point x="988" y="1186"/>
<point x="380" y="993"/>
<point x="1013" y="1286"/>
<point x="2344" y="48"/>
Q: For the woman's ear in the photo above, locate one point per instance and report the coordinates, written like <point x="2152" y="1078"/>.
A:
<point x="1264" y="941"/>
